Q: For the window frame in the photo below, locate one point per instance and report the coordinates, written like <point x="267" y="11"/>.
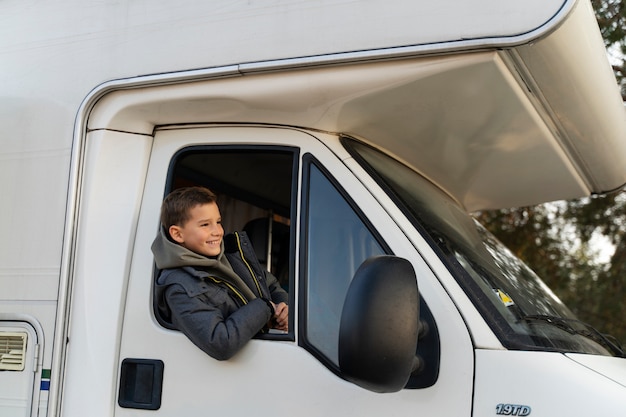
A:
<point x="294" y="151"/>
<point x="308" y="160"/>
<point x="429" y="346"/>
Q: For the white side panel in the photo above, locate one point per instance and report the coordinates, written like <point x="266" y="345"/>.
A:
<point x="115" y="167"/>
<point x="223" y="32"/>
<point x="33" y="179"/>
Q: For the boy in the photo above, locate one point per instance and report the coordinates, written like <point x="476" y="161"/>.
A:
<point x="211" y="287"/>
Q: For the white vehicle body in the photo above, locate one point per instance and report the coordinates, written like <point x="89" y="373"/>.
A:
<point x="496" y="104"/>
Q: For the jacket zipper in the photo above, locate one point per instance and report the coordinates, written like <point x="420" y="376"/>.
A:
<point x="232" y="288"/>
<point x="256" y="282"/>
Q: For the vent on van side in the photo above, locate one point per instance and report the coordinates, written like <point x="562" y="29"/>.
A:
<point x="12" y="351"/>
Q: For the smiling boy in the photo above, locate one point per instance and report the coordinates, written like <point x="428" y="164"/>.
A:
<point x="211" y="287"/>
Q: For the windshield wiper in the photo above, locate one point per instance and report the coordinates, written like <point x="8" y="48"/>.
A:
<point x="588" y="331"/>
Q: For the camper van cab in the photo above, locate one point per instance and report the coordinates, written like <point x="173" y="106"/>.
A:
<point x="352" y="166"/>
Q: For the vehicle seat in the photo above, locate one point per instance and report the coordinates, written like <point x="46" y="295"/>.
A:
<point x="258" y="231"/>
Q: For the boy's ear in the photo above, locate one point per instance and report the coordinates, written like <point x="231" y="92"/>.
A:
<point x="176" y="233"/>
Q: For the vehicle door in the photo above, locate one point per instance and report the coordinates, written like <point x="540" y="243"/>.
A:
<point x="291" y="183"/>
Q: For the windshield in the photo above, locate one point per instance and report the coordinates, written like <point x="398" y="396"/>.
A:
<point x="519" y="307"/>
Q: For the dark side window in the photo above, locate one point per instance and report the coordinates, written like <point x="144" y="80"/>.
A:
<point x="337" y="242"/>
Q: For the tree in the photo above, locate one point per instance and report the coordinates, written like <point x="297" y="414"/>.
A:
<point x="603" y="292"/>
<point x="611" y="16"/>
<point x="556" y="241"/>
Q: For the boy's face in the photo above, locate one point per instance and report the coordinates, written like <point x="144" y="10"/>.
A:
<point x="203" y="232"/>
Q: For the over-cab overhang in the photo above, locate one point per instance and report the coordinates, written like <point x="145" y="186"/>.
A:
<point x="494" y="125"/>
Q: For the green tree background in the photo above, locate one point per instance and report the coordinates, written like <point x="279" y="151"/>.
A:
<point x="579" y="247"/>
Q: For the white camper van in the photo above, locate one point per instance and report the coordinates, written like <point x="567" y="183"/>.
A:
<point x="350" y="140"/>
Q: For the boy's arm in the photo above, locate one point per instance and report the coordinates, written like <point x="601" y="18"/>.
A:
<point x="205" y="325"/>
<point x="279" y="295"/>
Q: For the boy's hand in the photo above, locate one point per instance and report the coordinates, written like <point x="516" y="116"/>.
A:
<point x="281" y="317"/>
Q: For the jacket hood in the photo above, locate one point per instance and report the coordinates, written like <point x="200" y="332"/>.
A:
<point x="168" y="254"/>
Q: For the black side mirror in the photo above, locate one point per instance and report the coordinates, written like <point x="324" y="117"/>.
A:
<point x="380" y="324"/>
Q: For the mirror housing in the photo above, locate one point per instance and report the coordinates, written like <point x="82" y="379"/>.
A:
<point x="379" y="325"/>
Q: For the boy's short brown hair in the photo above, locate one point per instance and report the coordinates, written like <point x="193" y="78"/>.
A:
<point x="177" y="205"/>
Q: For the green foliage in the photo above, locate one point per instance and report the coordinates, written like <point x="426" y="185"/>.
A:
<point x="611" y="16"/>
<point x="557" y="241"/>
<point x="604" y="303"/>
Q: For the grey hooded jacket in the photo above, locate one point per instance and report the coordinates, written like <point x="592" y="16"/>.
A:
<point x="216" y="302"/>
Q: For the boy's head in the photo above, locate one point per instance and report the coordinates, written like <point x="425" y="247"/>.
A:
<point x="191" y="218"/>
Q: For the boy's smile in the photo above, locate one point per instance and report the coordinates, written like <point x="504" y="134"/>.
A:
<point x="203" y="232"/>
